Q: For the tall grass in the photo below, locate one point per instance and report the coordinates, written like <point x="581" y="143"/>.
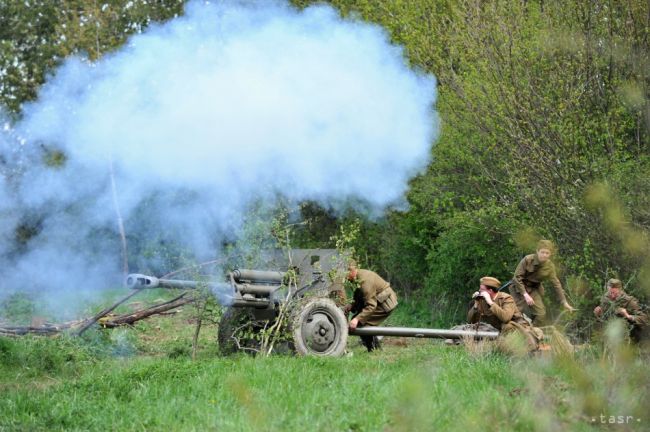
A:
<point x="422" y="386"/>
<point x="142" y="378"/>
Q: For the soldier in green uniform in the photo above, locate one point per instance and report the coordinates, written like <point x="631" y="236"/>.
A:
<point x="374" y="300"/>
<point x="526" y="287"/>
<point x="500" y="311"/>
<point x="617" y="302"/>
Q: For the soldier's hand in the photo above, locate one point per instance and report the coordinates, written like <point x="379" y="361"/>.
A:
<point x="622" y="312"/>
<point x="598" y="311"/>
<point x="486" y="297"/>
<point x="529" y="299"/>
<point x="475" y="294"/>
<point x="568" y="307"/>
<point x="354" y="323"/>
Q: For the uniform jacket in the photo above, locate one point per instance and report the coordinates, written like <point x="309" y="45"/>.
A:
<point x="372" y="293"/>
<point x="502" y="311"/>
<point x="530" y="274"/>
<point x="626" y="302"/>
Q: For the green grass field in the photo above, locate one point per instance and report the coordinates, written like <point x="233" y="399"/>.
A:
<point x="143" y="378"/>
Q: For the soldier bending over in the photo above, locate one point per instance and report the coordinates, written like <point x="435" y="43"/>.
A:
<point x="374" y="300"/>
<point x="527" y="288"/>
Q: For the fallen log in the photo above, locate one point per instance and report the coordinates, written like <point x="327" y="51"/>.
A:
<point x="104" y="321"/>
<point x="128" y="319"/>
<point x="44" y="330"/>
<point x="103" y="313"/>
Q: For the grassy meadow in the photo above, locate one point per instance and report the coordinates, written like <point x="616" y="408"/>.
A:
<point x="143" y="378"/>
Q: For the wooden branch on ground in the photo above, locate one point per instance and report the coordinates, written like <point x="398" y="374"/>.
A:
<point x="103" y="313"/>
<point x="107" y="322"/>
<point x="127" y="319"/>
<point x="44" y="330"/>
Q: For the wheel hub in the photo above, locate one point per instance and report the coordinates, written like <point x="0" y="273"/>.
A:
<point x="319" y="332"/>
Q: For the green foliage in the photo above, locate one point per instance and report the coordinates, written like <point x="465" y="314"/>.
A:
<point x="475" y="245"/>
<point x="538" y="101"/>
<point x="35" y="36"/>
<point x="18" y="308"/>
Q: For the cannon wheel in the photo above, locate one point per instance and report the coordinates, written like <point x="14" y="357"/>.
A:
<point x="318" y="328"/>
<point x="237" y="331"/>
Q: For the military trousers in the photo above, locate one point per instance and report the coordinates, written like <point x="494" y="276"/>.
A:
<point x="536" y="312"/>
<point x="377" y="317"/>
<point x="532" y="335"/>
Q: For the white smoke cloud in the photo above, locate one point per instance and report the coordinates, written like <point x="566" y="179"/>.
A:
<point x="203" y="114"/>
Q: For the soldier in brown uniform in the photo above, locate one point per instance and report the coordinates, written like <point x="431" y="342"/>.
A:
<point x="526" y="287"/>
<point x="374" y="300"/>
<point x="500" y="311"/>
<point x="617" y="302"/>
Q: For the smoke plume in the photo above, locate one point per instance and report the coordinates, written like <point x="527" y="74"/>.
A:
<point x="195" y="118"/>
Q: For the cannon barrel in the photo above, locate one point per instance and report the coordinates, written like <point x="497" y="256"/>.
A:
<point x="422" y="332"/>
<point x="140" y="281"/>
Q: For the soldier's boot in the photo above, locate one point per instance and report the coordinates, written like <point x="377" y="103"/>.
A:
<point x="369" y="342"/>
<point x="377" y="341"/>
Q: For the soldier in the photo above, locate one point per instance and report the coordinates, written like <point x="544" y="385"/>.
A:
<point x="526" y="287"/>
<point x="617" y="302"/>
<point x="500" y="311"/>
<point x="374" y="300"/>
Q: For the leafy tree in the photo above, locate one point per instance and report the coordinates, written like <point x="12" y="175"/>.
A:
<point x="36" y="35"/>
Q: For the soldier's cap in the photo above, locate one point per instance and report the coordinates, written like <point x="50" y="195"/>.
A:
<point x="545" y="244"/>
<point x="615" y="283"/>
<point x="491" y="282"/>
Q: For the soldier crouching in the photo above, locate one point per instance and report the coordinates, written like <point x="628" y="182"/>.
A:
<point x="500" y="311"/>
<point x="618" y="303"/>
<point x="374" y="300"/>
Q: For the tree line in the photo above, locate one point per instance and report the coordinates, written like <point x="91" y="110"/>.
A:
<point x="545" y="121"/>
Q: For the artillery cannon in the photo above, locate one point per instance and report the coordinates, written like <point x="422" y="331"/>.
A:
<point x="317" y="324"/>
<point x="253" y="300"/>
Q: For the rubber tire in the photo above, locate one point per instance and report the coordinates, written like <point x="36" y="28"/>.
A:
<point x="332" y="317"/>
<point x="231" y="321"/>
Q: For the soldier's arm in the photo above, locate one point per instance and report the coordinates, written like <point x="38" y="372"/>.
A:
<point x="357" y="302"/>
<point x="473" y="315"/>
<point x="604" y="306"/>
<point x="637" y="316"/>
<point x="370" y="302"/>
<point x="518" y="279"/>
<point x="558" y="286"/>
<point x="504" y="313"/>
